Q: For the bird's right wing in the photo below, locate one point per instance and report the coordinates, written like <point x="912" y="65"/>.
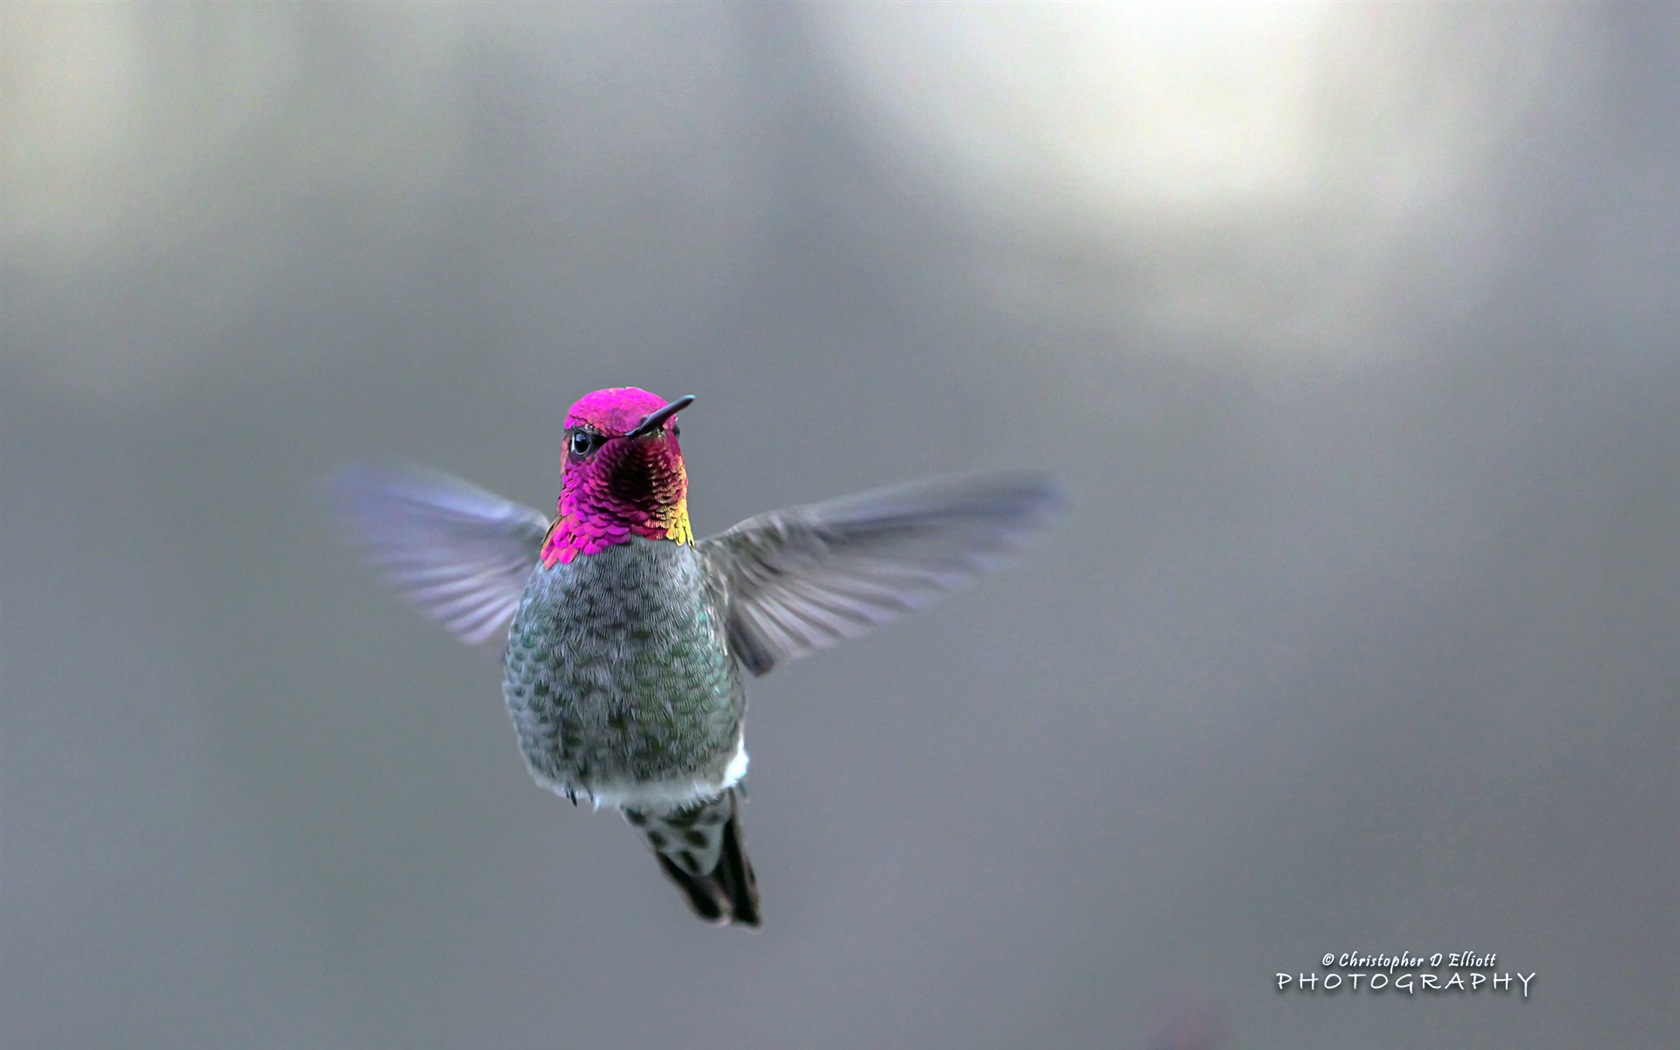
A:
<point x="810" y="577"/>
<point x="460" y="554"/>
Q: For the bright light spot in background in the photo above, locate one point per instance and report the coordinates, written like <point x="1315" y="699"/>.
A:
<point x="1177" y="105"/>
<point x="1245" y="167"/>
<point x="1210" y="107"/>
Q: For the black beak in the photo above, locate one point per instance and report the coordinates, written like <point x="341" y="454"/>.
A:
<point x="654" y="420"/>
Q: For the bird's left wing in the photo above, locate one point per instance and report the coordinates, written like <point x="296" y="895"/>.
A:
<point x="810" y="577"/>
<point x="460" y="554"/>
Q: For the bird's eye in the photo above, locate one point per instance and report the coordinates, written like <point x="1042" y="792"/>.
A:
<point x="584" y="442"/>
<point x="676" y="430"/>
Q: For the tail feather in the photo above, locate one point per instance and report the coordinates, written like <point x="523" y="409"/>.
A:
<point x="700" y="848"/>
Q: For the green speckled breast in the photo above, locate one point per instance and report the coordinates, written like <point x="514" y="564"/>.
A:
<point x="618" y="673"/>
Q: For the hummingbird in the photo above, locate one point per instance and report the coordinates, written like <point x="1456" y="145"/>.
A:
<point x="626" y="644"/>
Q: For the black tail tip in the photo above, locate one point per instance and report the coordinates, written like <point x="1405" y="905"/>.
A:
<point x="714" y="899"/>
<point x="728" y="895"/>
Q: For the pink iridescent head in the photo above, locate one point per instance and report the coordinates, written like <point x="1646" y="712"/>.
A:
<point x="621" y="475"/>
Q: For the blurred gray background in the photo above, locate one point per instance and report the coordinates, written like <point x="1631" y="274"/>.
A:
<point x="1352" y="330"/>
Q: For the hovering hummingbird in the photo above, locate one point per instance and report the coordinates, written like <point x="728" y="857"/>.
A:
<point x="626" y="644"/>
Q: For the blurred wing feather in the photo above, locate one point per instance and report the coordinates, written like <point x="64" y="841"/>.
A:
<point x="460" y="554"/>
<point x="809" y="577"/>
